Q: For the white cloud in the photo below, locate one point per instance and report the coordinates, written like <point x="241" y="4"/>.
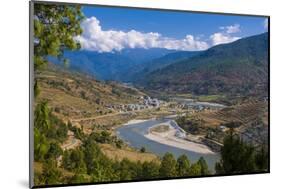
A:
<point x="265" y="23"/>
<point x="222" y="38"/>
<point x="231" y="29"/>
<point x="94" y="38"/>
<point x="188" y="43"/>
<point x="226" y="36"/>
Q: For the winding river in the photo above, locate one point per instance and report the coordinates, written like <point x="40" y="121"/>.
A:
<point x="134" y="133"/>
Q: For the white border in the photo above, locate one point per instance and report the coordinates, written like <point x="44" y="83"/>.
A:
<point x="14" y="103"/>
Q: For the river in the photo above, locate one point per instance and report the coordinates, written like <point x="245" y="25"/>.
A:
<point x="134" y="133"/>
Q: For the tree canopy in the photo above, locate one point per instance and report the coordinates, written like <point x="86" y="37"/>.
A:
<point x="55" y="27"/>
<point x="183" y="165"/>
<point x="168" y="166"/>
<point x="240" y="157"/>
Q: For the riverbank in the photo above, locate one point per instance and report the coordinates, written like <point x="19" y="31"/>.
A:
<point x="170" y="138"/>
<point x="137" y="136"/>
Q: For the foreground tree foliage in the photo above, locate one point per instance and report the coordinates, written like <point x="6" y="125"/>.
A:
<point x="261" y="159"/>
<point x="168" y="166"/>
<point x="195" y="170"/>
<point x="49" y="131"/>
<point x="150" y="170"/>
<point x="183" y="165"/>
<point x="50" y="173"/>
<point x="41" y="126"/>
<point x="240" y="157"/>
<point x="55" y="27"/>
<point x="204" y="166"/>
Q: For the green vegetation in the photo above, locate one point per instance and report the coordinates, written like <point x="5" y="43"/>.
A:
<point x="183" y="165"/>
<point x="238" y="68"/>
<point x="142" y="150"/>
<point x="190" y="124"/>
<point x="210" y="98"/>
<point x="150" y="170"/>
<point x="160" y="128"/>
<point x="54" y="29"/>
<point x="240" y="157"/>
<point x="50" y="174"/>
<point x="48" y="133"/>
<point x="168" y="166"/>
<point x="73" y="161"/>
<point x="88" y="163"/>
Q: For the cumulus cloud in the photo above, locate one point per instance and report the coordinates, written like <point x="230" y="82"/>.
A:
<point x="225" y="36"/>
<point x="94" y="38"/>
<point x="222" y="38"/>
<point x="231" y="29"/>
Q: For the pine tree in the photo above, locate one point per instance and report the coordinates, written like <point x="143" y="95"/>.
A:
<point x="150" y="170"/>
<point x="195" y="170"/>
<point x="168" y="166"/>
<point x="183" y="165"/>
<point x="236" y="156"/>
<point x="204" y="166"/>
<point x="55" y="27"/>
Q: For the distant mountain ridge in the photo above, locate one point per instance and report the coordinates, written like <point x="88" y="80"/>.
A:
<point x="158" y="63"/>
<point x="239" y="67"/>
<point x="141" y="55"/>
<point x="103" y="66"/>
<point x="120" y="66"/>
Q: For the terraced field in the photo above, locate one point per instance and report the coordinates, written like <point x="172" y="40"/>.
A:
<point x="74" y="96"/>
<point x="245" y="113"/>
<point x="252" y="115"/>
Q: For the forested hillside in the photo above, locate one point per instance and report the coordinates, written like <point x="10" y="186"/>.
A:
<point x="237" y="68"/>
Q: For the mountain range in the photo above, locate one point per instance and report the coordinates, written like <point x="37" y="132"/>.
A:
<point x="113" y="65"/>
<point x="240" y="67"/>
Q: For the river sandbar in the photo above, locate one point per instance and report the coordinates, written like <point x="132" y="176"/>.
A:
<point x="169" y="138"/>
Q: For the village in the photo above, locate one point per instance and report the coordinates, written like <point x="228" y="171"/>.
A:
<point x="145" y="102"/>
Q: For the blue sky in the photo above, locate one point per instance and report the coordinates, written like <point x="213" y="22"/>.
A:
<point x="176" y="30"/>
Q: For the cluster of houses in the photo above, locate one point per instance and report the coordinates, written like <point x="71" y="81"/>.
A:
<point x="145" y="102"/>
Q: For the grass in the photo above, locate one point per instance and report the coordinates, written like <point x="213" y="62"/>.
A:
<point x="70" y="106"/>
<point x="160" y="128"/>
<point x="209" y="98"/>
<point x="38" y="168"/>
<point x="133" y="155"/>
<point x="187" y="95"/>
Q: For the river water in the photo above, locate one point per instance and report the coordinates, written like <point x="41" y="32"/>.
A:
<point x="134" y="133"/>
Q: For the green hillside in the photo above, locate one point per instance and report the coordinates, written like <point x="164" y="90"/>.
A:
<point x="237" y="68"/>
